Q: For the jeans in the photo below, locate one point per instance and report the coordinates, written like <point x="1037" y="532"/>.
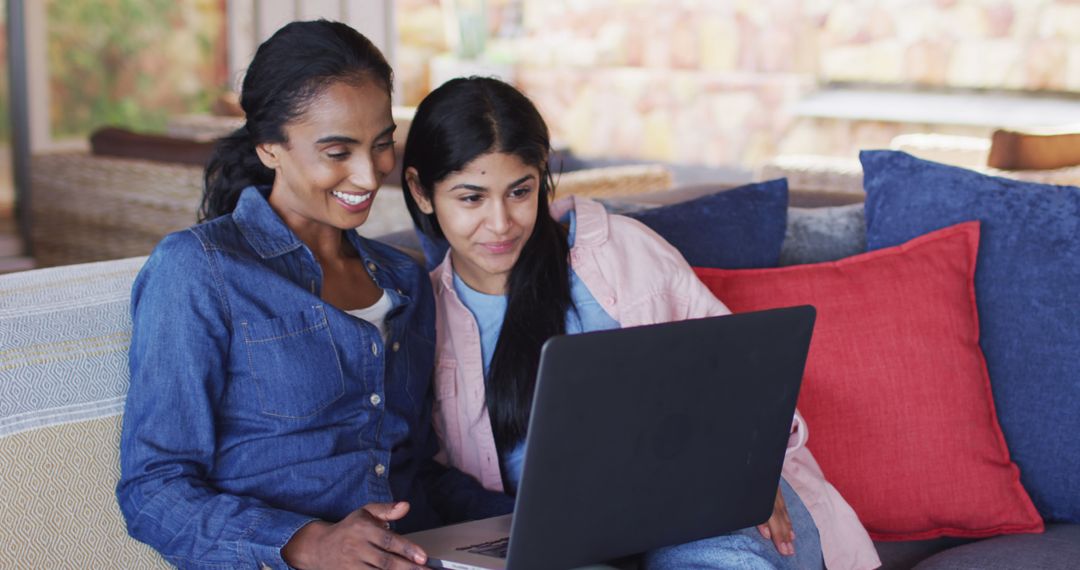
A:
<point x="746" y="549"/>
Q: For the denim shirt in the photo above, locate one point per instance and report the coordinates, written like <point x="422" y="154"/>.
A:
<point x="256" y="407"/>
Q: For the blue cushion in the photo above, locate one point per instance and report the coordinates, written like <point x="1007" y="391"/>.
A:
<point x="1027" y="287"/>
<point x="733" y="229"/>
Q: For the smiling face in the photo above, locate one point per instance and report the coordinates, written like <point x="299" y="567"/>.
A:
<point x="487" y="211"/>
<point x="337" y="153"/>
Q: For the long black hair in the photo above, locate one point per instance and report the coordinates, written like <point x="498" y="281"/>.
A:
<point x="456" y="123"/>
<point x="289" y="70"/>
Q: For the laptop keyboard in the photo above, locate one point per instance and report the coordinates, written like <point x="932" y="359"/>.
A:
<point x="496" y="548"/>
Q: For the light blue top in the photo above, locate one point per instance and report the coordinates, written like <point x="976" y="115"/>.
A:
<point x="585" y="315"/>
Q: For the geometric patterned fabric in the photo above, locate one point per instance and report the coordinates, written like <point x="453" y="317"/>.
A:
<point x="59" y="500"/>
<point x="64" y="335"/>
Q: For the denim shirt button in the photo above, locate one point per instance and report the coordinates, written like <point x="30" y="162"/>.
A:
<point x="375" y="399"/>
<point x="264" y="566"/>
<point x="374" y="349"/>
<point x="371" y="266"/>
<point x="380" y="469"/>
<point x="396" y="346"/>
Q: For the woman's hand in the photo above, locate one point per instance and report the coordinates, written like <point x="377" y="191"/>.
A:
<point x="361" y="540"/>
<point x="778" y="528"/>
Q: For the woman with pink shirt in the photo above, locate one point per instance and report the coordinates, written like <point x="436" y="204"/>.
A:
<point x="520" y="270"/>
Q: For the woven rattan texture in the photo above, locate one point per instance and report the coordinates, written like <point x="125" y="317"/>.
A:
<point x="610" y="181"/>
<point x="91" y="208"/>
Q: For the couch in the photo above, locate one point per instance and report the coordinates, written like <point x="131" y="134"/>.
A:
<point x="64" y="333"/>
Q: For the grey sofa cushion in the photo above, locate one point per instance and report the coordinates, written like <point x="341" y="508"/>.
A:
<point x="823" y="234"/>
<point x="906" y="554"/>
<point x="1057" y="548"/>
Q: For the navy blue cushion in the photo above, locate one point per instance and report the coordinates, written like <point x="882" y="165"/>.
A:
<point x="733" y="229"/>
<point x="1027" y="285"/>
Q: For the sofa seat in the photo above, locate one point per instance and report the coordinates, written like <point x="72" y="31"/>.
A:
<point x="1058" y="548"/>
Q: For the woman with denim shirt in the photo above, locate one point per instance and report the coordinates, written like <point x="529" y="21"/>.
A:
<point x="280" y="400"/>
<point x="518" y="272"/>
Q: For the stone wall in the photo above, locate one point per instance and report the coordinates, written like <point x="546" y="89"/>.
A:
<point x="714" y="82"/>
<point x="986" y="44"/>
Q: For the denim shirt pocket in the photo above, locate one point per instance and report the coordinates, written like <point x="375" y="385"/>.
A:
<point x="294" y="362"/>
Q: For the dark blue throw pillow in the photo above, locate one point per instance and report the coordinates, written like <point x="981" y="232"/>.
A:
<point x="1027" y="286"/>
<point x="734" y="229"/>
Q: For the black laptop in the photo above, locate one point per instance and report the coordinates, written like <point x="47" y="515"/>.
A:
<point x="644" y="437"/>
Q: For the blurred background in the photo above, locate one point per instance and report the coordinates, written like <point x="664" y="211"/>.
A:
<point x="714" y="90"/>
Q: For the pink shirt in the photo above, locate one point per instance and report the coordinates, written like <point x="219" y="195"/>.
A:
<point x="639" y="279"/>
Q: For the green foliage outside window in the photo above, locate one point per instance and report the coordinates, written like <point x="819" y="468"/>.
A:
<point x="132" y="63"/>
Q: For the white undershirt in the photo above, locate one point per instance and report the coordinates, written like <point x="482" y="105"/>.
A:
<point x="376" y="313"/>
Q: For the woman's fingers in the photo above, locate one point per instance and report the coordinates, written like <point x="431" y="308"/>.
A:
<point x="378" y="516"/>
<point x="357" y="542"/>
<point x="387" y="511"/>
<point x="778" y="528"/>
<point x="390" y="550"/>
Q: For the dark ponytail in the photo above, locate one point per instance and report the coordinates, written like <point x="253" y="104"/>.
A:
<point x="233" y="167"/>
<point x="288" y="71"/>
<point x="458" y="122"/>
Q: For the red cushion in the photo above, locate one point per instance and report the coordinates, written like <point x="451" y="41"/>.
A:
<point x="896" y="393"/>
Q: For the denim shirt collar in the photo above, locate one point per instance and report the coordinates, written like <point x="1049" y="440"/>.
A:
<point x="261" y="226"/>
<point x="270" y="237"/>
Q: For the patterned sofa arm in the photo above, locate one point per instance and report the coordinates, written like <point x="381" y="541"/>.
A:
<point x="64" y="335"/>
